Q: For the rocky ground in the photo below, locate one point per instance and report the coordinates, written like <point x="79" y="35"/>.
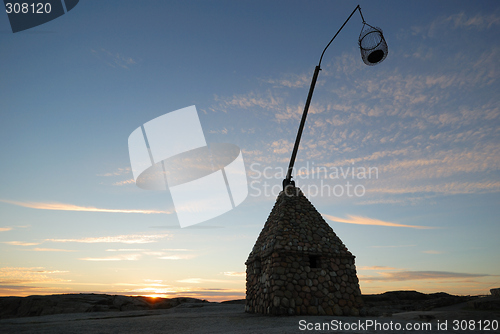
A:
<point x="93" y="313"/>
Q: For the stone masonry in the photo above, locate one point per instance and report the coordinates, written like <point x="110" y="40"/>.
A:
<point x="299" y="266"/>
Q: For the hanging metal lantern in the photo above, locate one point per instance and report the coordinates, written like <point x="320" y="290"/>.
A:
<point x="372" y="45"/>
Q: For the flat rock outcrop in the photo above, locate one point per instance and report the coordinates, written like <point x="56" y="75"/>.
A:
<point x="485" y="303"/>
<point x="407" y="301"/>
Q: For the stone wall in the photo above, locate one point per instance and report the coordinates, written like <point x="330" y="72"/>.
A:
<point x="299" y="266"/>
<point x="286" y="284"/>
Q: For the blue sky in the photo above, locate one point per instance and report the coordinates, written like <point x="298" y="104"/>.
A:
<point x="427" y="120"/>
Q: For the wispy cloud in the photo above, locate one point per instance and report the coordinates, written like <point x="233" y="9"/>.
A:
<point x="120" y="172"/>
<point x="443" y="163"/>
<point x="432" y="252"/>
<point x="450" y="188"/>
<point x="420" y="275"/>
<point x="21" y="243"/>
<point x="468" y="21"/>
<point x="177" y="257"/>
<point x="393" y="246"/>
<point x="124" y="182"/>
<point x="71" y="207"/>
<point x="25" y="275"/>
<point x="5" y="229"/>
<point x="52" y="250"/>
<point x="126" y="239"/>
<point x="461" y="20"/>
<point x="370" y="221"/>
<point x="247" y="101"/>
<point x="154" y="281"/>
<point x="291" y="81"/>
<point x="205" y="280"/>
<point x="234" y="273"/>
<point x="117" y="172"/>
<point x="281" y="146"/>
<point x="154" y="253"/>
<point x="190" y="280"/>
<point x="113" y="59"/>
<point x="375" y="268"/>
<point x="220" y="131"/>
<point x="125" y="257"/>
<point x="424" y="129"/>
<point x="133" y="254"/>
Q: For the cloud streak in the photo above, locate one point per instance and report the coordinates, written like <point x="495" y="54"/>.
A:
<point x="451" y="188"/>
<point x="71" y="207"/>
<point x="114" y="59"/>
<point x="463" y="20"/>
<point x="124" y="182"/>
<point x="233" y="273"/>
<point x="126" y="239"/>
<point x="125" y="257"/>
<point x="24" y="275"/>
<point x="52" y="250"/>
<point x="420" y="275"/>
<point x="118" y="172"/>
<point x="290" y="81"/>
<point x="177" y="257"/>
<point x="126" y="250"/>
<point x="359" y="220"/>
<point x="204" y="280"/>
<point x="21" y="243"/>
<point x="432" y="252"/>
<point x="375" y="268"/>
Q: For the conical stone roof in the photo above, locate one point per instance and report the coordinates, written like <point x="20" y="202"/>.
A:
<point x="299" y="266"/>
<point x="295" y="225"/>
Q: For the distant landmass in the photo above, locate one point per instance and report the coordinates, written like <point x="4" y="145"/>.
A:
<point x="14" y="307"/>
<point x="375" y="305"/>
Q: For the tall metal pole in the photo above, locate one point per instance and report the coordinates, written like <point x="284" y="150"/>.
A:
<point x="288" y="180"/>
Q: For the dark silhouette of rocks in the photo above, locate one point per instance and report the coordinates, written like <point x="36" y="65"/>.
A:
<point x="385" y="304"/>
<point x="405" y="301"/>
<point x="485" y="303"/>
<point x="13" y="307"/>
<point x="236" y="301"/>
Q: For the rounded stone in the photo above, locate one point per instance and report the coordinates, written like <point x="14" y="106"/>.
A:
<point x="312" y="310"/>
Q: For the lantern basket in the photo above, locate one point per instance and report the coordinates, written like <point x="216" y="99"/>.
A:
<point x="372" y="45"/>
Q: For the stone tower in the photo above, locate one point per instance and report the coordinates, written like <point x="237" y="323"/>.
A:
<point x="299" y="266"/>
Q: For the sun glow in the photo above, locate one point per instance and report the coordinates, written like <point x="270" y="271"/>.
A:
<point x="154" y="297"/>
